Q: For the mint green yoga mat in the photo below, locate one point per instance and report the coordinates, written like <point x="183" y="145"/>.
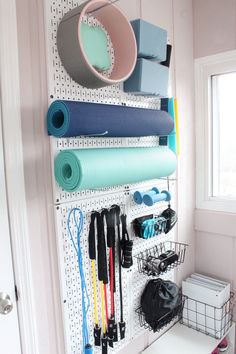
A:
<point x="99" y="168"/>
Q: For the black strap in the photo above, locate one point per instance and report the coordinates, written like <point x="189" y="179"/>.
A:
<point x="113" y="214"/>
<point x="104" y="345"/>
<point x="115" y="333"/>
<point x="164" y="104"/>
<point x="126" y="245"/>
<point x="111" y="323"/>
<point x="122" y="330"/>
<point x="117" y="209"/>
<point x="97" y="336"/>
<point x="110" y="220"/>
<point x="101" y="250"/>
<point x="168" y="56"/>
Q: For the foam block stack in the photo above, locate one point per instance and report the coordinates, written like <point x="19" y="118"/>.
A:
<point x="149" y="77"/>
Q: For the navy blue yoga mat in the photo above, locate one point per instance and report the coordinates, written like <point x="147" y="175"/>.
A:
<point x="70" y="118"/>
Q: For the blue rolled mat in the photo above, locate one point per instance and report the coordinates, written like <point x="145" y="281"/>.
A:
<point x="99" y="168"/>
<point x="70" y="118"/>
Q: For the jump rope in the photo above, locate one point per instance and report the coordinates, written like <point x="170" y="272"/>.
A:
<point x="87" y="348"/>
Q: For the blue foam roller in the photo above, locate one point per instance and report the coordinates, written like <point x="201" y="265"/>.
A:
<point x="151" y="40"/>
<point x="150" y="200"/>
<point x="148" y="78"/>
<point x="138" y="196"/>
<point x="71" y="118"/>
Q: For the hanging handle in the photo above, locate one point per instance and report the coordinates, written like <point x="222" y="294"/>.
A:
<point x="101" y="249"/>
<point x="126" y="245"/>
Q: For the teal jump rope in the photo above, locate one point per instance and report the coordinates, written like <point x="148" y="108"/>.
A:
<point x="87" y="348"/>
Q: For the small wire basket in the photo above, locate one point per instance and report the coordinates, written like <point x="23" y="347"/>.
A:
<point x="161" y="258"/>
<point x="211" y="320"/>
<point x="172" y="316"/>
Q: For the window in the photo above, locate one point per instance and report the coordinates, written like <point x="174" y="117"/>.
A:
<point x="223" y="92"/>
<point x="216" y="132"/>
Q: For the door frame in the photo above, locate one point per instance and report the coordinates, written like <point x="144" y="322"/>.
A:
<point x="27" y="259"/>
<point x="12" y="139"/>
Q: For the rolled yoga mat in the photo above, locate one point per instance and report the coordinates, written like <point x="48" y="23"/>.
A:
<point x="99" y="168"/>
<point x="70" y="118"/>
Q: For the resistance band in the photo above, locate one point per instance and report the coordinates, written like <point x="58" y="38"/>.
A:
<point x="105" y="282"/>
<point x="112" y="325"/>
<point x="121" y="323"/>
<point x="103" y="277"/>
<point x="87" y="348"/>
<point x="92" y="256"/>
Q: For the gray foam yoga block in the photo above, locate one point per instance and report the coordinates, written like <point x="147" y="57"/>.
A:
<point x="151" y="40"/>
<point x="148" y="78"/>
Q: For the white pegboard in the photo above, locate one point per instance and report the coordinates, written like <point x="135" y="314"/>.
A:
<point x="70" y="280"/>
<point x="61" y="86"/>
<point x="132" y="279"/>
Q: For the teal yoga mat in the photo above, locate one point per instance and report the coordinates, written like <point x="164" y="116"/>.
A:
<point x="99" y="168"/>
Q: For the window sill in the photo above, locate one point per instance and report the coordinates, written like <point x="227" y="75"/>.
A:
<point x="215" y="222"/>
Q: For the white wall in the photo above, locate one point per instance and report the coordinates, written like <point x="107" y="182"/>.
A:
<point x="34" y="104"/>
<point x="214" y="26"/>
<point x="215" y="32"/>
<point x="176" y="17"/>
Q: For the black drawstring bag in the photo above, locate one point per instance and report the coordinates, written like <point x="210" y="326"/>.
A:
<point x="161" y="301"/>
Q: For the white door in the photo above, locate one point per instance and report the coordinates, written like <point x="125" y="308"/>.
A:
<point x="9" y="327"/>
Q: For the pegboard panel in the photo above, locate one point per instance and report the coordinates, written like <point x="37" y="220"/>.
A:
<point x="61" y="86"/>
<point x="133" y="281"/>
<point x="70" y="279"/>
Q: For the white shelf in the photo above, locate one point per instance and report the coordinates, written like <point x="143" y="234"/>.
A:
<point x="183" y="340"/>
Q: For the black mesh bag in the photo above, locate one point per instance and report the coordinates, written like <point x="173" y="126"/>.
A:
<point x="161" y="301"/>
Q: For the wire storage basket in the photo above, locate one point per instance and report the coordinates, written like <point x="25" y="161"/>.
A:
<point x="174" y="316"/>
<point x="161" y="258"/>
<point x="208" y="319"/>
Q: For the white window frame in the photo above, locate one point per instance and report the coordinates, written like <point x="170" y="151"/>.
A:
<point x="205" y="68"/>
